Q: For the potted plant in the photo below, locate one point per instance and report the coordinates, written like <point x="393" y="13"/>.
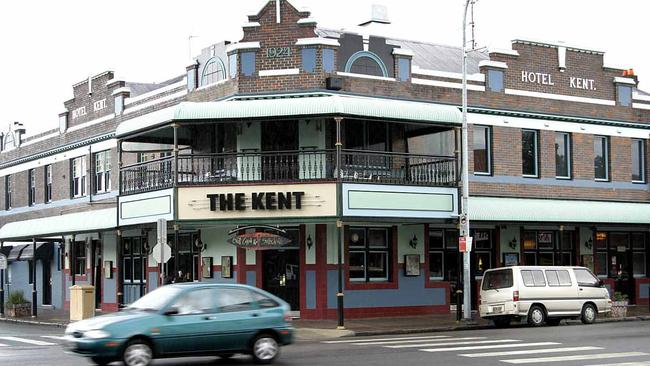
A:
<point x="17" y="305"/>
<point x="619" y="305"/>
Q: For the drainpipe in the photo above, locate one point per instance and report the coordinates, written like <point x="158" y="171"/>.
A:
<point x="2" y="285"/>
<point x="339" y="227"/>
<point x="34" y="291"/>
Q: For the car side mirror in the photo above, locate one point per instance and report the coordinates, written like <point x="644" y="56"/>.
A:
<point x="171" y="311"/>
<point x="601" y="283"/>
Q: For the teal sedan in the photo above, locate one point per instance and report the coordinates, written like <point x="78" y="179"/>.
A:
<point x="188" y="319"/>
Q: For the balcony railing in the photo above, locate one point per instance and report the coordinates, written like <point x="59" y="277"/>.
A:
<point x="290" y="167"/>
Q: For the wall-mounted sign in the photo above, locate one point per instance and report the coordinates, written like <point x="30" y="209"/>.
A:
<point x="536" y="78"/>
<point x="545" y="237"/>
<point x="258" y="201"/>
<point x="99" y="105"/>
<point x="581" y="83"/>
<point x="259" y="241"/>
<point x="278" y="52"/>
<point x="79" y="112"/>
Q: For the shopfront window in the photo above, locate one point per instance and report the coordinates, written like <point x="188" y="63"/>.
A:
<point x="548" y="247"/>
<point x="620" y="255"/>
<point x="369" y="255"/>
<point x="639" y="254"/>
<point x="443" y="255"/>
<point x="482" y="252"/>
<point x="79" y="266"/>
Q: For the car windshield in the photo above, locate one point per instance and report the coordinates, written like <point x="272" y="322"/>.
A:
<point x="501" y="278"/>
<point x="156" y="299"/>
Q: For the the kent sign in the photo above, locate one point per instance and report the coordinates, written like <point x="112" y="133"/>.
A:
<point x="547" y="79"/>
<point x="257" y="201"/>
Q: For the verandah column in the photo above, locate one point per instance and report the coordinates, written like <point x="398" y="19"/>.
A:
<point x="339" y="227"/>
<point x="34" y="291"/>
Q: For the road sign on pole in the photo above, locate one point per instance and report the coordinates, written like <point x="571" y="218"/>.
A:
<point x="465" y="244"/>
<point x="161" y="253"/>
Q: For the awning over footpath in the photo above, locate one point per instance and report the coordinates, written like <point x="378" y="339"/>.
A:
<point x="552" y="210"/>
<point x="79" y="222"/>
<point x="301" y="105"/>
<point x="21" y="251"/>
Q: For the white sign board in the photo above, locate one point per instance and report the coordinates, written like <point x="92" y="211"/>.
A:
<point x="3" y="261"/>
<point x="161" y="251"/>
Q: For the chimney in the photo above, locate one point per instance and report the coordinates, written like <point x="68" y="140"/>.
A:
<point x="379" y="16"/>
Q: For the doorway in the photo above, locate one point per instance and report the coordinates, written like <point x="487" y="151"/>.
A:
<point x="281" y="138"/>
<point x="97" y="271"/>
<point x="47" y="282"/>
<point x="281" y="275"/>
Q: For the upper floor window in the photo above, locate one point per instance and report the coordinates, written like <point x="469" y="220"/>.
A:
<point x="309" y="59"/>
<point x="103" y="171"/>
<point x="232" y="65"/>
<point x="78" y="176"/>
<point x="638" y="160"/>
<point x="601" y="157"/>
<point x="482" y="149"/>
<point x="529" y="153"/>
<point x="328" y="60"/>
<point x="365" y="62"/>
<point x="404" y="68"/>
<point x="213" y="71"/>
<point x="369" y="254"/>
<point x="48" y="183"/>
<point x="562" y="155"/>
<point x="31" y="194"/>
<point x="495" y="80"/>
<point x="8" y="192"/>
<point x="248" y="63"/>
<point x="624" y="95"/>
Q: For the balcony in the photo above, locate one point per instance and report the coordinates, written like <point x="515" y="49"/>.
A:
<point x="281" y="167"/>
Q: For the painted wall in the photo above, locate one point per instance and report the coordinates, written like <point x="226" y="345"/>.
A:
<point x="17" y="279"/>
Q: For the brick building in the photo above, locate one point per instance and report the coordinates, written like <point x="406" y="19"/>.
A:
<point x="243" y="151"/>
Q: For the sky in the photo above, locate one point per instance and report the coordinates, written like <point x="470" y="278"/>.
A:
<point x="47" y="46"/>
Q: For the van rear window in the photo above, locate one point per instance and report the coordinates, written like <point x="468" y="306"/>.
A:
<point x="501" y="278"/>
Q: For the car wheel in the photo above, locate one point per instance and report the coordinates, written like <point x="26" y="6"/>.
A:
<point x="137" y="353"/>
<point x="589" y="314"/>
<point x="100" y="361"/>
<point x="553" y="321"/>
<point x="536" y="316"/>
<point x="265" y="349"/>
<point x="502" y="322"/>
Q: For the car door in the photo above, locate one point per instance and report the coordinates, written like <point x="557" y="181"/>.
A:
<point x="588" y="288"/>
<point x="192" y="329"/>
<point x="237" y="319"/>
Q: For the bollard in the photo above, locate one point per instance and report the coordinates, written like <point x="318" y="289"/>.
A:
<point x="459" y="305"/>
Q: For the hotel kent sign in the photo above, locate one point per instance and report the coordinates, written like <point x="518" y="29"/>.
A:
<point x="540" y="78"/>
<point x="255" y="201"/>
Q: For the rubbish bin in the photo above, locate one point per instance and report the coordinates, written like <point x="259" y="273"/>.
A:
<point x="82" y="302"/>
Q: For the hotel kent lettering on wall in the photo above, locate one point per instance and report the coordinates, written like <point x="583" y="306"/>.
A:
<point x="258" y="201"/>
<point x="547" y="79"/>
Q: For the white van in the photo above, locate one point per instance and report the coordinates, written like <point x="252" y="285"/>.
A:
<point x="540" y="294"/>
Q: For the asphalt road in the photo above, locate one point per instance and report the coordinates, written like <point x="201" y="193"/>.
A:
<point x="619" y="344"/>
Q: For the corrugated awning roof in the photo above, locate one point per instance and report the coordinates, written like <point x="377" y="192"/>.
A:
<point x="552" y="210"/>
<point x="79" y="222"/>
<point x="297" y="106"/>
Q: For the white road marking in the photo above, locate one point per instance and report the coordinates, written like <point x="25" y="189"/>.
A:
<point x="531" y="351"/>
<point x="575" y="358"/>
<point x="61" y="338"/>
<point x="384" y="339"/>
<point x="640" y="363"/>
<point x="452" y="343"/>
<point x="510" y="345"/>
<point x="416" y="341"/>
<point x="29" y="341"/>
<point x="4" y="345"/>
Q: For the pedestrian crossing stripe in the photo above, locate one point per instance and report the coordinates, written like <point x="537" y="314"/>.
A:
<point x="510" y="345"/>
<point x="452" y="343"/>
<point x="576" y="357"/>
<point x="531" y="351"/>
<point x="28" y="341"/>
<point x="640" y="363"/>
<point x="4" y="345"/>
<point x="381" y="343"/>
<point x="385" y="339"/>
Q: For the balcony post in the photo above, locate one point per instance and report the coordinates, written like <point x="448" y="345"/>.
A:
<point x="120" y="184"/>
<point x="175" y="170"/>
<point x="339" y="226"/>
<point x="2" y="284"/>
<point x="119" y="275"/>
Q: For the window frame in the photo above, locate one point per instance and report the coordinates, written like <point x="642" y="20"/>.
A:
<point x="78" y="176"/>
<point x="488" y="148"/>
<point x="31" y="187"/>
<point x="403" y="69"/>
<point x="211" y="71"/>
<point x="624" y="91"/>
<point x="535" y="153"/>
<point x="367" y="249"/>
<point x="102" y="171"/>
<point x="329" y="60"/>
<point x="642" y="163"/>
<point x="79" y="260"/>
<point x="246" y="68"/>
<point x="8" y="193"/>
<point x="490" y="87"/>
<point x="309" y="65"/>
<point x="568" y="154"/>
<point x="47" y="194"/>
<point x="606" y="153"/>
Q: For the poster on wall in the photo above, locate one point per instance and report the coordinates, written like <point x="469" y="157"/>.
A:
<point x="411" y="265"/>
<point x="226" y="267"/>
<point x="206" y="267"/>
<point x="510" y="259"/>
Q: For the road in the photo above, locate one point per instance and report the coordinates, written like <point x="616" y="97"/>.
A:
<point x="610" y="344"/>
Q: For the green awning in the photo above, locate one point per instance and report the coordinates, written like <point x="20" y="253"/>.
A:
<point x="553" y="210"/>
<point x="78" y="222"/>
<point x="297" y="106"/>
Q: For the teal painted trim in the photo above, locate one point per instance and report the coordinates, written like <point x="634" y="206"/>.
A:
<point x="216" y="60"/>
<point x="370" y="55"/>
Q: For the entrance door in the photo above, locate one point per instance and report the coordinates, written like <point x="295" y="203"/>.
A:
<point x="97" y="275"/>
<point x="47" y="282"/>
<point x="620" y="257"/>
<point x="281" y="275"/>
<point x="281" y="138"/>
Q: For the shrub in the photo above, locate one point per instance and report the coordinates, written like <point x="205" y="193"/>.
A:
<point x="619" y="296"/>
<point x="16" y="297"/>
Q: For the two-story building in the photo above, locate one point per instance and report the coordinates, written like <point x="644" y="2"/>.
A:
<point x="316" y="163"/>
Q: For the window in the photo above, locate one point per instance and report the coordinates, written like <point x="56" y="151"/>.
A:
<point x="309" y="59"/>
<point x="103" y="171"/>
<point x="31" y="193"/>
<point x="234" y="299"/>
<point x="363" y="135"/>
<point x="8" y="192"/>
<point x="264" y="302"/>
<point x="328" y="60"/>
<point x="533" y="278"/>
<point x="562" y="155"/>
<point x="495" y="80"/>
<point x="624" y="95"/>
<point x="213" y="71"/>
<point x="443" y="255"/>
<point x="404" y="68"/>
<point x="541" y="248"/>
<point x="638" y="254"/>
<point x="482" y="149"/>
<point x="529" y="153"/>
<point x="498" y="279"/>
<point x="248" y="63"/>
<point x="79" y="176"/>
<point x="232" y="65"/>
<point x="198" y="301"/>
<point x="638" y="160"/>
<point x="48" y="183"/>
<point x="557" y="278"/>
<point x="585" y="278"/>
<point x="79" y="258"/>
<point x="601" y="158"/>
<point x="367" y="66"/>
<point x="369" y="254"/>
<point x="483" y="251"/>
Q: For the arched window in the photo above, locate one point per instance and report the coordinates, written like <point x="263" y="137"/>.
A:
<point x="366" y="62"/>
<point x="214" y="71"/>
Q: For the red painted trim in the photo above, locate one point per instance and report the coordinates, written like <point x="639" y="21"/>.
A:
<point x="241" y="265"/>
<point x="637" y="285"/>
<point x="258" y="269"/>
<point x="302" y="286"/>
<point x="387" y="311"/>
<point x="393" y="281"/>
<point x="108" y="307"/>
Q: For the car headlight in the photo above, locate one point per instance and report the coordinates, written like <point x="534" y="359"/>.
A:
<point x="96" y="333"/>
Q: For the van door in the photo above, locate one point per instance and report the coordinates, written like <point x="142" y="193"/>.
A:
<point x="588" y="287"/>
<point x="562" y="294"/>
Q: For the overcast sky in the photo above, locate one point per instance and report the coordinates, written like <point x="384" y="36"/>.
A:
<point x="49" y="45"/>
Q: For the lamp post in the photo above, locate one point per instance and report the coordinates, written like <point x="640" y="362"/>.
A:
<point x="464" y="216"/>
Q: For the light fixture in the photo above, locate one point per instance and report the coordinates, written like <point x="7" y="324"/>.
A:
<point x="199" y="244"/>
<point x="513" y="243"/>
<point x="309" y="242"/>
<point x="589" y="243"/>
<point x="413" y="242"/>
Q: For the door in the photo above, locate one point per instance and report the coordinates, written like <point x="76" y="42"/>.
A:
<point x="47" y="282"/>
<point x="281" y="275"/>
<point x="237" y="320"/>
<point x="280" y="150"/>
<point x="588" y="288"/>
<point x="97" y="275"/>
<point x="620" y="256"/>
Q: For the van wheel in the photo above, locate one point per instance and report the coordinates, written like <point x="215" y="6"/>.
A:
<point x="502" y="322"/>
<point x="553" y="321"/>
<point x="536" y="316"/>
<point x="265" y="349"/>
<point x="589" y="314"/>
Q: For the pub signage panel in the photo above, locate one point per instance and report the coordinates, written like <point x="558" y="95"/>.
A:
<point x="258" y="201"/>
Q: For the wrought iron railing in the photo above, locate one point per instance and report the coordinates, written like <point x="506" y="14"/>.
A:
<point x="291" y="166"/>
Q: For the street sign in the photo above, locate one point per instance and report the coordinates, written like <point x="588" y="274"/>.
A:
<point x="3" y="261"/>
<point x="161" y="253"/>
<point x="465" y="246"/>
